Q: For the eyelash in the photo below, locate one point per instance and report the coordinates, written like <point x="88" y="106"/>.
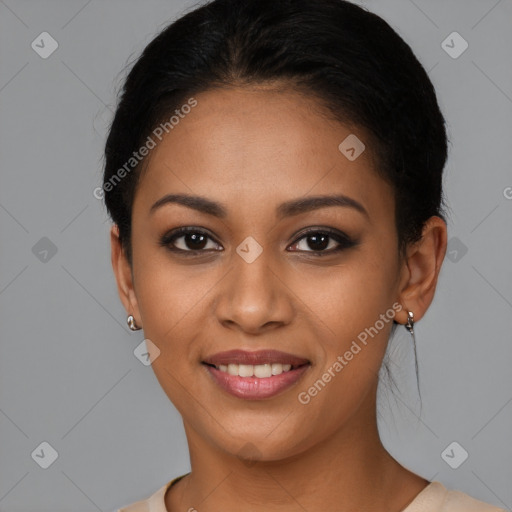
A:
<point x="344" y="241"/>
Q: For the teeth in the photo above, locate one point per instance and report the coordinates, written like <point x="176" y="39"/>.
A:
<point x="258" y="370"/>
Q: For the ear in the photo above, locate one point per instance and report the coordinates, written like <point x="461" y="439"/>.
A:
<point x="124" y="276"/>
<point x="421" y="269"/>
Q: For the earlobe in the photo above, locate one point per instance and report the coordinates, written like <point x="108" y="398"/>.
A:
<point x="123" y="274"/>
<point x="421" y="270"/>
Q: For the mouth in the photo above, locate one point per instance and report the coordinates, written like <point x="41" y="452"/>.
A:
<point x="255" y="375"/>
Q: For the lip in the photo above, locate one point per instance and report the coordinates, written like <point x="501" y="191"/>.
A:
<point x="255" y="388"/>
<point x="254" y="358"/>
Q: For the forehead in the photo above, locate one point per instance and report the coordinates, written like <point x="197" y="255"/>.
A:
<point x="257" y="144"/>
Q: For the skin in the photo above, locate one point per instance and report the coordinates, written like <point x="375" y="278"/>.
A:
<point x="251" y="149"/>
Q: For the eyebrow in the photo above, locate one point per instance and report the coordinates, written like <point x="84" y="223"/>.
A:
<point x="287" y="209"/>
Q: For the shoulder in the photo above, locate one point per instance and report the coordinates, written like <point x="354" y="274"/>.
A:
<point x="457" y="501"/>
<point x="138" y="506"/>
<point x="437" y="498"/>
<point x="154" y="503"/>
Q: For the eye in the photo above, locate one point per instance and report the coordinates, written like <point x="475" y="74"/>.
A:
<point x="187" y="239"/>
<point x="194" y="240"/>
<point x="321" y="239"/>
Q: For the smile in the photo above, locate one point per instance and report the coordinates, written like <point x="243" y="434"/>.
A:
<point x="255" y="375"/>
<point x="255" y="382"/>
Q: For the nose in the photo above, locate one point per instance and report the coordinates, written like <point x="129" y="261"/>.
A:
<point x="254" y="297"/>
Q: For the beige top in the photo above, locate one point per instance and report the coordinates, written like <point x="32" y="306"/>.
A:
<point x="433" y="498"/>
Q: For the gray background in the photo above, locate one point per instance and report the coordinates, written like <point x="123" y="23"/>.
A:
<point x="68" y="375"/>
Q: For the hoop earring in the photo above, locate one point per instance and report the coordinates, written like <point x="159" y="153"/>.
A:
<point x="131" y="323"/>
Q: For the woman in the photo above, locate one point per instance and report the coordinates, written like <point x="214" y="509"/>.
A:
<point x="274" y="176"/>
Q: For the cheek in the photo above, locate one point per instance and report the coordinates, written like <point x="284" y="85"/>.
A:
<point x="349" y="297"/>
<point x="170" y="299"/>
<point x="352" y="306"/>
<point x="171" y="302"/>
<point x="161" y="295"/>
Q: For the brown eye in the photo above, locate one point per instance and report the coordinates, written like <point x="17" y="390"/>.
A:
<point x="188" y="240"/>
<point x="323" y="241"/>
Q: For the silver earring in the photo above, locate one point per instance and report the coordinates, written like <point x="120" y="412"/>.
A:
<point x="131" y="323"/>
<point x="410" y="323"/>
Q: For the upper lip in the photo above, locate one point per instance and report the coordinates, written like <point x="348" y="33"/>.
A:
<point x="254" y="358"/>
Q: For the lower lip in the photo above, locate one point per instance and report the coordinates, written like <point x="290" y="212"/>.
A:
<point x="255" y="388"/>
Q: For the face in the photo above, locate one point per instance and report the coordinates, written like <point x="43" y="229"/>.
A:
<point x="312" y="280"/>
